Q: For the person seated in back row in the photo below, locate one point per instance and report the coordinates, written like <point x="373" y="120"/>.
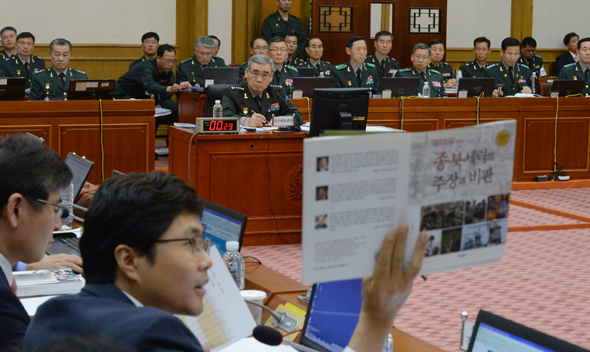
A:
<point x="477" y="67"/>
<point x="23" y="64"/>
<point x="385" y="65"/>
<point x="510" y="76"/>
<point x="437" y="53"/>
<point x="357" y="73"/>
<point x="315" y="50"/>
<point x="581" y="69"/>
<point x="283" y="73"/>
<point x="150" y="42"/>
<point x="420" y="59"/>
<point x="257" y="46"/>
<point x="192" y="70"/>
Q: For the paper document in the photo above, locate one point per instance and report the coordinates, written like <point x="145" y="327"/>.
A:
<point x="455" y="183"/>
<point x="162" y="112"/>
<point x="226" y="318"/>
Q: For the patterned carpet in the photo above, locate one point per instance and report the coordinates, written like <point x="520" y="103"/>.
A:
<point x="541" y="281"/>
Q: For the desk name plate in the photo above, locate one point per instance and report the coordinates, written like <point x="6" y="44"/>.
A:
<point x="211" y="125"/>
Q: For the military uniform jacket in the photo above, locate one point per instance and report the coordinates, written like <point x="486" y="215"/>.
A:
<point x="137" y="62"/>
<point x="472" y="69"/>
<point x="562" y="60"/>
<point x="243" y="68"/>
<point x="47" y="84"/>
<point x="575" y="71"/>
<point x="192" y="71"/>
<point x="143" y="80"/>
<point x="274" y="25"/>
<point x="325" y="67"/>
<point x="4" y="55"/>
<point x="286" y="78"/>
<point x="522" y="77"/>
<point x="389" y="68"/>
<point x="294" y="62"/>
<point x="344" y="77"/>
<point x="238" y="101"/>
<point x="535" y="64"/>
<point x="14" y="67"/>
<point x="435" y="80"/>
<point x="445" y="69"/>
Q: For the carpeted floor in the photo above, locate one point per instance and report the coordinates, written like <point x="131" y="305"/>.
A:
<point x="541" y="281"/>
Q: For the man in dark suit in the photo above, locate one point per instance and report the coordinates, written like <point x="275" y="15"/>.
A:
<point x="357" y="73"/>
<point x="581" y="69"/>
<point x="31" y="176"/>
<point x="571" y="57"/>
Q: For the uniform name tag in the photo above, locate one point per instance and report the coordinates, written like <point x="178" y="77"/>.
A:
<point x="280" y="121"/>
<point x="209" y="82"/>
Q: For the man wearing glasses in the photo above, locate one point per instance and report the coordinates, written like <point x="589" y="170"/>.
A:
<point x="420" y="60"/>
<point x="255" y="101"/>
<point x="31" y="176"/>
<point x="192" y="70"/>
<point x="511" y="77"/>
<point x="257" y="46"/>
<point x="283" y="73"/>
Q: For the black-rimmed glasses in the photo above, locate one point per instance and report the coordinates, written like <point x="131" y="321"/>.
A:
<point x="198" y="244"/>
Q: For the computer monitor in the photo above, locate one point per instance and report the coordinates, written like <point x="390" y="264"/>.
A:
<point x="401" y="86"/>
<point x="12" y="88"/>
<point x="306" y="71"/>
<point x="339" y="109"/>
<point x="475" y="86"/>
<point x="221" y="75"/>
<point x="222" y="224"/>
<point x="81" y="89"/>
<point x="565" y="87"/>
<point x="307" y="84"/>
<point x="81" y="168"/>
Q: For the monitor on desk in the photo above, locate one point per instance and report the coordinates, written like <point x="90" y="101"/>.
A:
<point x="88" y="89"/>
<point x="475" y="86"/>
<point x="12" y="88"/>
<point x="307" y="84"/>
<point x="221" y="75"/>
<point x="306" y="71"/>
<point x="339" y="109"/>
<point x="401" y="86"/>
<point x="222" y="224"/>
<point x="565" y="87"/>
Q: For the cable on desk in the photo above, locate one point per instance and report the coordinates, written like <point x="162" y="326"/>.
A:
<point x="101" y="138"/>
<point x="292" y="332"/>
<point x="253" y="258"/>
<point x="190" y="144"/>
<point x="477" y="110"/>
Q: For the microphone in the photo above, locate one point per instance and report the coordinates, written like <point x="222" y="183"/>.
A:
<point x="66" y="212"/>
<point x="281" y="320"/>
<point x="272" y="337"/>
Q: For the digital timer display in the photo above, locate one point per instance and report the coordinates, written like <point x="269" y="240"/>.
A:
<point x="219" y="126"/>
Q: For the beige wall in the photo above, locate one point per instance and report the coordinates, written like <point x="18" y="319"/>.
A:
<point x="552" y="20"/>
<point x="469" y="19"/>
<point x="220" y="25"/>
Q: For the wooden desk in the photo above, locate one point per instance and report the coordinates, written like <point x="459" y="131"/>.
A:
<point x="75" y="126"/>
<point x="281" y="289"/>
<point x="190" y="106"/>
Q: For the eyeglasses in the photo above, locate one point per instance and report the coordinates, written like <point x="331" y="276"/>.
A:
<point x="421" y="58"/>
<point x="198" y="244"/>
<point x="260" y="48"/>
<point x="61" y="212"/>
<point x="278" y="50"/>
<point x="258" y="74"/>
<point x="170" y="62"/>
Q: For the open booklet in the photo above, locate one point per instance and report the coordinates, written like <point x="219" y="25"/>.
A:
<point x="455" y="183"/>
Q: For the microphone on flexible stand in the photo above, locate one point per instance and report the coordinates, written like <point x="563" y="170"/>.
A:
<point x="281" y="320"/>
<point x="72" y="214"/>
<point x="272" y="337"/>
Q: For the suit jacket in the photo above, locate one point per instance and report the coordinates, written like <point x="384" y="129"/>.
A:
<point x="344" y="77"/>
<point x="575" y="72"/>
<point x="13" y="67"/>
<point x="47" y="84"/>
<point x="190" y="70"/>
<point x="561" y="61"/>
<point x="522" y="77"/>
<point x="104" y="310"/>
<point x="13" y="317"/>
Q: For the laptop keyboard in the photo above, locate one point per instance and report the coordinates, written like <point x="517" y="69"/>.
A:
<point x="69" y="245"/>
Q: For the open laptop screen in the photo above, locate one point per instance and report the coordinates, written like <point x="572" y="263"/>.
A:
<point x="490" y="338"/>
<point x="81" y="168"/>
<point x="222" y="224"/>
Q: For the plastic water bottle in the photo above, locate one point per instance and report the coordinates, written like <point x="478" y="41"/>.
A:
<point x="235" y="263"/>
<point x="217" y="109"/>
<point x="68" y="196"/>
<point x="426" y="90"/>
<point x="458" y="76"/>
<point x="534" y="82"/>
<point x="322" y="74"/>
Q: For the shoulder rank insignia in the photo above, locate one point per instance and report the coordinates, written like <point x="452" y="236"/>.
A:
<point x="435" y="71"/>
<point x="569" y="65"/>
<point x="404" y="70"/>
<point x="217" y="57"/>
<point x="292" y="68"/>
<point x="369" y="64"/>
<point x="341" y="67"/>
<point x="75" y="70"/>
<point x="186" y="60"/>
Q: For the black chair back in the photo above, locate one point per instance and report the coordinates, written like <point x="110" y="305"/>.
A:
<point x="214" y="92"/>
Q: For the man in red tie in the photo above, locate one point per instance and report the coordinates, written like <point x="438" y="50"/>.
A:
<point x="31" y="176"/>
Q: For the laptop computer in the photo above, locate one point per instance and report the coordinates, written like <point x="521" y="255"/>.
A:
<point x="401" y="86"/>
<point x="12" y="88"/>
<point x="221" y="75"/>
<point x="495" y="333"/>
<point x="222" y="224"/>
<point x="565" y="87"/>
<point x="81" y="89"/>
<point x="307" y="84"/>
<point x="474" y="86"/>
<point x="306" y="71"/>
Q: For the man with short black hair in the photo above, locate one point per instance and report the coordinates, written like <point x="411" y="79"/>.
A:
<point x="315" y="50"/>
<point x="283" y="73"/>
<point x="24" y="63"/>
<point x="31" y="176"/>
<point x="8" y="41"/>
<point x="281" y="23"/>
<point x="292" y="60"/>
<point x="571" y="57"/>
<point x="192" y="69"/>
<point x="257" y="46"/>
<point x="217" y="44"/>
<point x="385" y="65"/>
<point x="477" y="67"/>
<point x="530" y="59"/>
<point x="511" y="77"/>
<point x="54" y="83"/>
<point x="437" y="53"/>
<point x="356" y="73"/>
<point x="149" y="45"/>
<point x="581" y="69"/>
<point x="420" y="60"/>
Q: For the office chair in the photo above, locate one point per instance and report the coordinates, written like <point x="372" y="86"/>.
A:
<point x="215" y="92"/>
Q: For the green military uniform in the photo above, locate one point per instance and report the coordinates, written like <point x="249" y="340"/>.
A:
<point x="14" y="67"/>
<point x="345" y="77"/>
<point x="274" y="26"/>
<point x="4" y="55"/>
<point x="324" y="66"/>
<point x="388" y="67"/>
<point x="192" y="71"/>
<point x="535" y="64"/>
<point x="472" y="69"/>
<point x="576" y="72"/>
<point x="284" y="78"/>
<point x="294" y="62"/>
<point x="137" y="62"/>
<point x="238" y="101"/>
<point x="434" y="78"/>
<point x="243" y="68"/>
<point x="47" y="84"/>
<point x="445" y="70"/>
<point x="522" y="77"/>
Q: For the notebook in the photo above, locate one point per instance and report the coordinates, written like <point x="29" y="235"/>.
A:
<point x="222" y="224"/>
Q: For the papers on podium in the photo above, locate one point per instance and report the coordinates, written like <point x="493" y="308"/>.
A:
<point x="455" y="183"/>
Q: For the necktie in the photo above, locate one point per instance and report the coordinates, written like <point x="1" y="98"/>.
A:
<point x="423" y="74"/>
<point x="278" y="75"/>
<point x="359" y="78"/>
<point x="510" y="74"/>
<point x="27" y="68"/>
<point x="63" y="77"/>
<point x="318" y="67"/>
<point x="13" y="286"/>
<point x="586" y="73"/>
<point x="383" y="65"/>
<point x="258" y="101"/>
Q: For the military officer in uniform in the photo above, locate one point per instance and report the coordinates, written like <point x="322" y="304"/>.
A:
<point x="511" y="77"/>
<point x="292" y="60"/>
<point x="385" y="65"/>
<point x="191" y="70"/>
<point x="529" y="58"/>
<point x="420" y="60"/>
<point x="8" y="40"/>
<point x="283" y="73"/>
<point x="315" y="50"/>
<point x="571" y="57"/>
<point x="24" y="63"/>
<point x="54" y="83"/>
<point x="255" y="101"/>
<point x="257" y="46"/>
<point x="356" y="73"/>
<point x="477" y="67"/>
<point x="581" y="69"/>
<point x="217" y="45"/>
<point x="149" y="45"/>
<point x="281" y="23"/>
<point x="437" y="53"/>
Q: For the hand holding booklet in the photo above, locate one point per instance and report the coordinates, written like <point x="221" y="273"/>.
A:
<point x="454" y="183"/>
